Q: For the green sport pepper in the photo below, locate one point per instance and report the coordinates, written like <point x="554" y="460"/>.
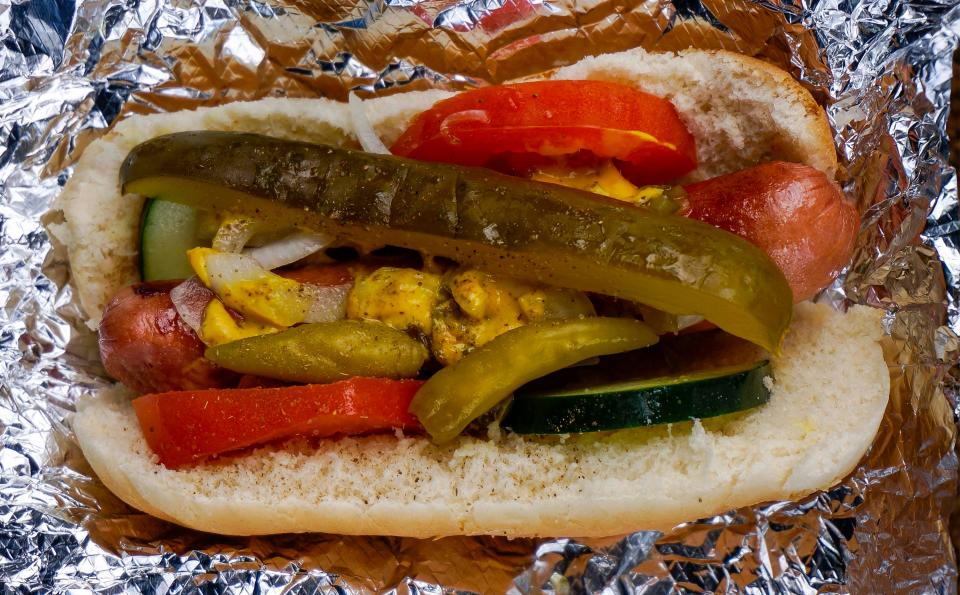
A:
<point x="325" y="352"/>
<point x="458" y="394"/>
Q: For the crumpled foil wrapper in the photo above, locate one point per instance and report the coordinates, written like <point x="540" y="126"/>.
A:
<point x="69" y="69"/>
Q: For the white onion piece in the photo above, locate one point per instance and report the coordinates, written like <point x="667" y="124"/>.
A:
<point x="244" y="285"/>
<point x="327" y="302"/>
<point x="289" y="249"/>
<point x="688" y="320"/>
<point x="190" y="299"/>
<point x="322" y="303"/>
<point x="233" y="235"/>
<point x="369" y="140"/>
<point x="227" y="268"/>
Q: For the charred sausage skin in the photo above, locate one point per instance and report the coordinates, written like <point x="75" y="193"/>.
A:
<point x="145" y="345"/>
<point x="794" y="212"/>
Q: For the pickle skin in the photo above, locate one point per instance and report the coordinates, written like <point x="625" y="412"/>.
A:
<point x="528" y="230"/>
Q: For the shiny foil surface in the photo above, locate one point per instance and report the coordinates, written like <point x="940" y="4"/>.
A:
<point x="71" y="68"/>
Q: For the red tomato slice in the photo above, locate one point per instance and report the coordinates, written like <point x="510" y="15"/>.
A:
<point x="185" y="427"/>
<point x="555" y="118"/>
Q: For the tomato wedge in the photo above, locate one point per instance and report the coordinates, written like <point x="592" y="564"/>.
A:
<point x="642" y="132"/>
<point x="186" y="427"/>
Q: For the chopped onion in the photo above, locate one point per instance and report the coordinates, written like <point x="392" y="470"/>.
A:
<point x="244" y="285"/>
<point x="288" y="250"/>
<point x="688" y="320"/>
<point x="327" y="302"/>
<point x="233" y="235"/>
<point x="225" y="269"/>
<point x="369" y="140"/>
<point x="190" y="299"/>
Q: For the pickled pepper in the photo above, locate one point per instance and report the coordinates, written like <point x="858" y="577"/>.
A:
<point x="458" y="394"/>
<point x="325" y="352"/>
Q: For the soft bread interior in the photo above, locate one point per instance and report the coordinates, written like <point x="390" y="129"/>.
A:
<point x="740" y="110"/>
<point x="828" y="398"/>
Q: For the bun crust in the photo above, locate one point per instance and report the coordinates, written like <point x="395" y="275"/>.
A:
<point x="828" y="398"/>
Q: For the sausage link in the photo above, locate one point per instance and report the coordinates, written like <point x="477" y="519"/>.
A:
<point x="145" y="345"/>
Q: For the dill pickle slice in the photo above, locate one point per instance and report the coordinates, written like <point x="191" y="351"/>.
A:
<point x="523" y="229"/>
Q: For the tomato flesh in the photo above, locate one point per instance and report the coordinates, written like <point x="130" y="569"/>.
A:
<point x="186" y="427"/>
<point x="554" y="119"/>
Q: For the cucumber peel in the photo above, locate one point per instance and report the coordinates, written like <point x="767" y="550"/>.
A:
<point x="168" y="230"/>
<point x="699" y="395"/>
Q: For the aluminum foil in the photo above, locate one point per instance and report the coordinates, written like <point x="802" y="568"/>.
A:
<point x="69" y="69"/>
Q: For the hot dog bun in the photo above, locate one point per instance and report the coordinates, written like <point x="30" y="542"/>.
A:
<point x="741" y="111"/>
<point x="830" y="394"/>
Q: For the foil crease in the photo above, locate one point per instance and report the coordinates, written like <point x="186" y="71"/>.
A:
<point x="69" y="69"/>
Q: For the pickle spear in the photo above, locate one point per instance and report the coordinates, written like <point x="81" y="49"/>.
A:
<point x="523" y="229"/>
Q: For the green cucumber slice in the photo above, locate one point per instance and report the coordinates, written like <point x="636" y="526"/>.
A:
<point x="648" y="402"/>
<point x="168" y="230"/>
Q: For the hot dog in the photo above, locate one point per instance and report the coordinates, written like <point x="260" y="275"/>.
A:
<point x="146" y="345"/>
<point x="528" y="494"/>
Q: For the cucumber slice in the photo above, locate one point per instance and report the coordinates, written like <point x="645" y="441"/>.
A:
<point x="168" y="230"/>
<point x="641" y="403"/>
